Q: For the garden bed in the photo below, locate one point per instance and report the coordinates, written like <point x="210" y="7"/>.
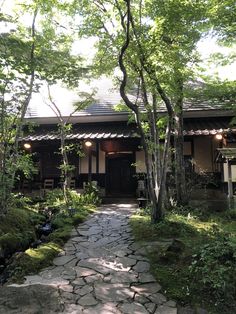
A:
<point x="193" y="256"/>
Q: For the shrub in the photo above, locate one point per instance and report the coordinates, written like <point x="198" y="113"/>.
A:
<point x="214" y="267"/>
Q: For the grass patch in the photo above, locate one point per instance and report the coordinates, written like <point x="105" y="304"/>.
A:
<point x="203" y="273"/>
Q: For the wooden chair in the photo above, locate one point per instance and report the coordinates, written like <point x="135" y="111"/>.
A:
<point x="72" y="184"/>
<point x="48" y="184"/>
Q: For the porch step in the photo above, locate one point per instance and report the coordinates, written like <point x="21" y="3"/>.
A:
<point x="119" y="200"/>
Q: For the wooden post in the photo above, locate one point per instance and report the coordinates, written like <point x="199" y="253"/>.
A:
<point x="230" y="185"/>
<point x="89" y="164"/>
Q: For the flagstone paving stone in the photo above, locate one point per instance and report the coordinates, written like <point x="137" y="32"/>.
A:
<point x="100" y="271"/>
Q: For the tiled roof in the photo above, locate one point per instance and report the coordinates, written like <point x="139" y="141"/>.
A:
<point x="207" y="126"/>
<point x="87" y="132"/>
<point x="106" y="98"/>
<point x="210" y="126"/>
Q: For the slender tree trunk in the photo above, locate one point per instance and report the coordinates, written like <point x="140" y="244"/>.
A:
<point x="180" y="183"/>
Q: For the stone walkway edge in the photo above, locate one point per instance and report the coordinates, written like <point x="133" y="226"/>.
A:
<point x="100" y="271"/>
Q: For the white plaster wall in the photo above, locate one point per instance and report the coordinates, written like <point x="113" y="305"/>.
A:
<point x="102" y="163"/>
<point x="140" y="162"/>
<point x="84" y="164"/>
<point x="233" y="169"/>
<point x="94" y="164"/>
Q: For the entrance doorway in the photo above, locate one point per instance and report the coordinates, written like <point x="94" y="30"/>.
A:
<point x="120" y="174"/>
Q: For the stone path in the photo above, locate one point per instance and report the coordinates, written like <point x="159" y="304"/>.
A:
<point x="100" y="271"/>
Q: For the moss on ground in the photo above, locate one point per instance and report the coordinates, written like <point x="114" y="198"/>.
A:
<point x="18" y="230"/>
<point x="195" y="230"/>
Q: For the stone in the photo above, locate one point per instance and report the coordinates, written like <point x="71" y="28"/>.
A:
<point x="125" y="261"/>
<point x="142" y="251"/>
<point x="138" y="257"/>
<point x="73" y="309"/>
<point x="91" y="279"/>
<point x="29" y="299"/>
<point x="68" y="297"/>
<point x="38" y="280"/>
<point x="171" y="303"/>
<point x="162" y="309"/>
<point x="107" y="308"/>
<point x="146" y="288"/>
<point x="112" y="292"/>
<point x="84" y="290"/>
<point x="140" y="298"/>
<point x="87" y="300"/>
<point x="79" y="239"/>
<point x="95" y="267"/>
<point x="145" y="278"/>
<point x="141" y="267"/>
<point x="84" y="272"/>
<point x="150" y="307"/>
<point x="135" y="246"/>
<point x="123" y="277"/>
<point x="52" y="272"/>
<point x="78" y="282"/>
<point x="63" y="260"/>
<point x="66" y="288"/>
<point x="69" y="274"/>
<point x="157" y="298"/>
<point x="128" y="308"/>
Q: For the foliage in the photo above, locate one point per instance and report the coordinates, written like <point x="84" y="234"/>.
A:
<point x="203" y="274"/>
<point x="213" y="266"/>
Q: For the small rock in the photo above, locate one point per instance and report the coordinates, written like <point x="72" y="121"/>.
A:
<point x="87" y="300"/>
<point x="84" y="290"/>
<point x="157" y="298"/>
<point x="141" y="267"/>
<point x="171" y="303"/>
<point x="150" y="307"/>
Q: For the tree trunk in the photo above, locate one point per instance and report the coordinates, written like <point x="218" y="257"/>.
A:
<point x="179" y="167"/>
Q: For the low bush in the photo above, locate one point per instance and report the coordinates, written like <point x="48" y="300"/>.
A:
<point x="213" y="266"/>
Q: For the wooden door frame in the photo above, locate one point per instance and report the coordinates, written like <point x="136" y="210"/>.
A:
<point x="133" y="159"/>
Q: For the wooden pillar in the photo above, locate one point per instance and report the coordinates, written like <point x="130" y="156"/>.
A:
<point x="230" y="184"/>
<point x="97" y="157"/>
<point x="89" y="164"/>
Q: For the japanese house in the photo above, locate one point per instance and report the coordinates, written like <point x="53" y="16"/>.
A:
<point x="111" y="147"/>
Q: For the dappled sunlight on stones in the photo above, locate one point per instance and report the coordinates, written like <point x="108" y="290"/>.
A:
<point x="134" y="308"/>
<point x="146" y="288"/>
<point x="112" y="292"/>
<point x="108" y="308"/>
<point x="102" y="270"/>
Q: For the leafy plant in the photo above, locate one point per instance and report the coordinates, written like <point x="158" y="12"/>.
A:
<point x="214" y="266"/>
